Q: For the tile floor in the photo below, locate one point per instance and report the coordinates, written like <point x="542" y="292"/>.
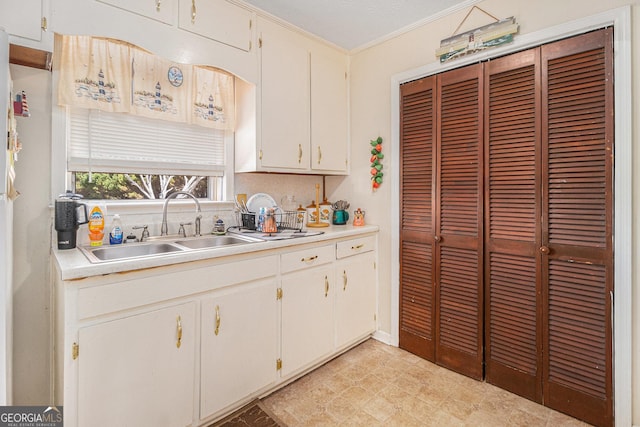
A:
<point x="378" y="385"/>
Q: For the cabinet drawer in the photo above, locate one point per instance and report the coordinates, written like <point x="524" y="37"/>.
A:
<point x="307" y="258"/>
<point x="355" y="246"/>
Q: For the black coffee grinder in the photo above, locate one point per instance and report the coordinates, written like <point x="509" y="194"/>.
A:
<point x="70" y="214"/>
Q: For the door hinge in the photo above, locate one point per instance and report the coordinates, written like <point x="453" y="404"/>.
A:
<point x="260" y="42"/>
<point x="260" y="155"/>
<point x="43" y="23"/>
<point x="75" y="350"/>
<point x="279" y="294"/>
<point x="250" y="23"/>
<point x="249" y="45"/>
<point x="278" y="364"/>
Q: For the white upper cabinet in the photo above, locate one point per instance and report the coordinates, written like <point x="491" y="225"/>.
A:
<point x="329" y="148"/>
<point x="285" y="99"/>
<point x="301" y="124"/>
<point x="217" y="20"/>
<point x="160" y="10"/>
<point x="26" y="19"/>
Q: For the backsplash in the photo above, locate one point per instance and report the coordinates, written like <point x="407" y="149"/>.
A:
<point x="302" y="187"/>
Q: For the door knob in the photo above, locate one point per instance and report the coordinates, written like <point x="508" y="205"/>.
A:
<point x="544" y="249"/>
<point x="436" y="238"/>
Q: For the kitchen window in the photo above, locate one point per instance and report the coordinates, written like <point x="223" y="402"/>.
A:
<point x="142" y="125"/>
<point x="123" y="157"/>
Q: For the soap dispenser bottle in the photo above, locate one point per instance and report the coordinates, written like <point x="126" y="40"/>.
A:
<point x="115" y="236"/>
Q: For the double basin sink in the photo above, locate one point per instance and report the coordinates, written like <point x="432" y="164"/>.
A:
<point x="161" y="247"/>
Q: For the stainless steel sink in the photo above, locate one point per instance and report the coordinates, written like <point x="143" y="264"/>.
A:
<point x="111" y="253"/>
<point x="158" y="248"/>
<point x="213" y="242"/>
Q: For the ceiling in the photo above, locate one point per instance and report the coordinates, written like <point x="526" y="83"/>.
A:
<point x="353" y="24"/>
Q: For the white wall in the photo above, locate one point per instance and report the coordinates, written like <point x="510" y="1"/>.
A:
<point x="371" y="74"/>
<point x="32" y="240"/>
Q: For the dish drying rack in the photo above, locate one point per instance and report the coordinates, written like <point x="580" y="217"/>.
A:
<point x="285" y="220"/>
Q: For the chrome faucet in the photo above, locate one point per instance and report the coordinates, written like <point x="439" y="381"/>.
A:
<point x="164" y="228"/>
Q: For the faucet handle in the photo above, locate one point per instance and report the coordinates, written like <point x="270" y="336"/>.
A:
<point x="181" y="230"/>
<point x="145" y="231"/>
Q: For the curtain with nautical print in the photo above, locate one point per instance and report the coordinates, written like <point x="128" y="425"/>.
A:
<point x="213" y="101"/>
<point x="111" y="75"/>
<point x="161" y="89"/>
<point x="93" y="73"/>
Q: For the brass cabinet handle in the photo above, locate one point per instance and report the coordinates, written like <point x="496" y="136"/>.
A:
<point x="158" y="4"/>
<point x="344" y="280"/>
<point x="355" y="248"/>
<point x="310" y="258"/>
<point x="319" y="154"/>
<point x="326" y="286"/>
<point x="193" y="11"/>
<point x="299" y="153"/>
<point x="179" y="327"/>
<point x="217" y="330"/>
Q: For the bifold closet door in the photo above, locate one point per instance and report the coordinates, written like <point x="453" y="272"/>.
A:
<point x="513" y="351"/>
<point x="458" y="248"/>
<point x="577" y="240"/>
<point x="417" y="160"/>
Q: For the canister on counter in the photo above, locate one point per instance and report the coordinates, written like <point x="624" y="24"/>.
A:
<point x="325" y="211"/>
<point x="312" y="213"/>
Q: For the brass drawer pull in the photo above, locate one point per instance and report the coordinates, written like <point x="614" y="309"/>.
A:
<point x="326" y="286"/>
<point x="309" y="259"/>
<point x="193" y="11"/>
<point x="299" y="153"/>
<point x="217" y="330"/>
<point x="355" y="248"/>
<point x="344" y="280"/>
<point x="179" y="327"/>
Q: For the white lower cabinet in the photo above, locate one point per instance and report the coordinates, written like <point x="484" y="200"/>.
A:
<point x="355" y="298"/>
<point x="307" y="317"/>
<point x="185" y="345"/>
<point x="238" y="350"/>
<point x="138" y="370"/>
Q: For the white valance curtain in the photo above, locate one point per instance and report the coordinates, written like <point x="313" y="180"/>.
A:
<point x="114" y="76"/>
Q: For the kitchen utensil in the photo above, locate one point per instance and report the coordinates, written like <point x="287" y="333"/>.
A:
<point x="69" y="215"/>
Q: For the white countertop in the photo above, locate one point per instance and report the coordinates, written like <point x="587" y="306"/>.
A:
<point x="73" y="264"/>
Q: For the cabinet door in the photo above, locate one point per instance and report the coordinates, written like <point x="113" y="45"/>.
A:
<point x="139" y="370"/>
<point x="355" y="298"/>
<point x="160" y="10"/>
<point x="329" y="142"/>
<point x="217" y="20"/>
<point x="22" y="18"/>
<point x="239" y="344"/>
<point x="285" y="99"/>
<point x="307" y="317"/>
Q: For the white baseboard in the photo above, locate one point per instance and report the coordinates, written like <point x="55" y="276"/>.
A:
<point x="384" y="337"/>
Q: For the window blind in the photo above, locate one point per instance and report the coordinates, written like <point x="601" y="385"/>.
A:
<point x="102" y="141"/>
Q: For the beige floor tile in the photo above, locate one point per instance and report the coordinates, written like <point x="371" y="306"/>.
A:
<point x="378" y="385"/>
<point x="380" y="408"/>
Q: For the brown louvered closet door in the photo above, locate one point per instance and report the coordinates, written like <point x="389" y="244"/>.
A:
<point x="417" y="133"/>
<point x="577" y="242"/>
<point x="513" y="356"/>
<point x="458" y="221"/>
<point x="507" y="221"/>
